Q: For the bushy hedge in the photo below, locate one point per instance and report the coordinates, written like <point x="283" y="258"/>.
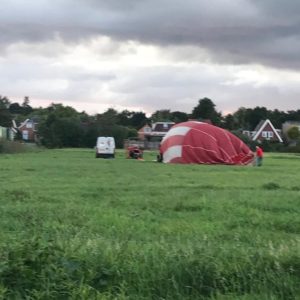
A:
<point x="280" y="147"/>
<point x="12" y="147"/>
<point x="268" y="146"/>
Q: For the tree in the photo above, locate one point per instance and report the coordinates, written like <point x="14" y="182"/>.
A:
<point x="254" y="116"/>
<point x="61" y="127"/>
<point x="132" y="119"/>
<point x="62" y="111"/>
<point x="229" y="122"/>
<point x="165" y="115"/>
<point x="205" y="110"/>
<point x="124" y="117"/>
<point x="108" y="118"/>
<point x="138" y="120"/>
<point x="277" y="117"/>
<point x="178" y="116"/>
<point x="60" y="131"/>
<point x="4" y="102"/>
<point x="84" y="117"/>
<point x="5" y="118"/>
<point x="294" y="115"/>
<point x="241" y="118"/>
<point x="5" y="115"/>
<point x="15" y="108"/>
<point x="162" y="115"/>
<point x="293" y="133"/>
<point x="27" y="109"/>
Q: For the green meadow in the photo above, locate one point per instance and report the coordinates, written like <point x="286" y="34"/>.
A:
<point x="76" y="227"/>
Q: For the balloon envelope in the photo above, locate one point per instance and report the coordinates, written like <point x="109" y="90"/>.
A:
<point x="201" y="143"/>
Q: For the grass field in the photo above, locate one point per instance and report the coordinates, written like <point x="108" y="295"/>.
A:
<point x="76" y="227"/>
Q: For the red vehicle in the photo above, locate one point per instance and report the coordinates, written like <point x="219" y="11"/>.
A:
<point x="134" y="152"/>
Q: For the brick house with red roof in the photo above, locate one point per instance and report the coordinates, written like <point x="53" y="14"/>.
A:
<point x="264" y="131"/>
<point x="157" y="131"/>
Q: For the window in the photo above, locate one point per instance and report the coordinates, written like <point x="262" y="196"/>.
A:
<point x="270" y="134"/>
<point x="264" y="134"/>
<point x="29" y="125"/>
<point x="165" y="125"/>
<point x="147" y="129"/>
<point x="25" y="134"/>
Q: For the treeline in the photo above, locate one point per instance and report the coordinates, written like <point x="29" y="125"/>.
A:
<point x="63" y="126"/>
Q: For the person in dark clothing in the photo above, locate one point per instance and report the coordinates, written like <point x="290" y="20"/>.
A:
<point x="160" y="155"/>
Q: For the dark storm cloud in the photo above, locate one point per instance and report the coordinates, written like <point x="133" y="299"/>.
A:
<point x="240" y="31"/>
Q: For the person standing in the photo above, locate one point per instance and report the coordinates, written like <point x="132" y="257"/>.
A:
<point x="259" y="156"/>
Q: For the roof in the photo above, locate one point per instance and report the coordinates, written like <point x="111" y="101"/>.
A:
<point x="32" y="121"/>
<point x="145" y="126"/>
<point x="162" y="126"/>
<point x="23" y="123"/>
<point x="261" y="125"/>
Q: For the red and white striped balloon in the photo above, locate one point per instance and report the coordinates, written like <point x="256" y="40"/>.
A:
<point x="202" y="143"/>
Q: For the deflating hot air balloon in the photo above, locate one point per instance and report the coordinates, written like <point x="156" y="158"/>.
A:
<point x="201" y="143"/>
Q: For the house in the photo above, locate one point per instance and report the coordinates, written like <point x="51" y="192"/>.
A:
<point x="160" y="129"/>
<point x="28" y="130"/>
<point x="264" y="131"/>
<point x="156" y="132"/>
<point x="6" y="133"/>
<point x="149" y="137"/>
<point x="144" y="132"/>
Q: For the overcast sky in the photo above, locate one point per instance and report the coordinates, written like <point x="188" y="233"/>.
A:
<point x="151" y="54"/>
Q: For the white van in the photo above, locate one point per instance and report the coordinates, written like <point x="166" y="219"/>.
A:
<point x="105" y="147"/>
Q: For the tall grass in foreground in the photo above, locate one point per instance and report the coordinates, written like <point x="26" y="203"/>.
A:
<point x="74" y="227"/>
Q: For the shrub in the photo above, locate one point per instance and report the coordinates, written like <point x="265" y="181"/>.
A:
<point x="293" y="133"/>
<point x="270" y="146"/>
<point x="11" y="147"/>
<point x="251" y="144"/>
<point x="292" y="149"/>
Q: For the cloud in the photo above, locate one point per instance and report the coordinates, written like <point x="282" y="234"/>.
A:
<point x="240" y="31"/>
<point x="142" y="54"/>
